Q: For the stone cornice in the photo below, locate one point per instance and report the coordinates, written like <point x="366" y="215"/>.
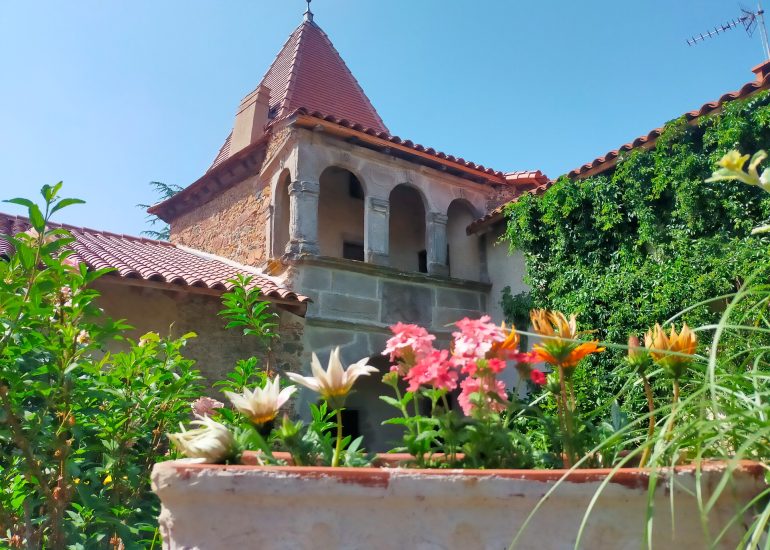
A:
<point x="387" y="272"/>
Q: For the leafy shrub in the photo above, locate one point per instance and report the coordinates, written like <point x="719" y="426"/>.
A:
<point x="628" y="248"/>
<point x="80" y="427"/>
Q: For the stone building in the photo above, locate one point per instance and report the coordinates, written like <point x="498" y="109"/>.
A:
<point x="343" y="226"/>
<point x="311" y="187"/>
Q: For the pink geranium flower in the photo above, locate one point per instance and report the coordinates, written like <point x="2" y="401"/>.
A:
<point x="435" y="370"/>
<point x="496" y="365"/>
<point x="537" y="377"/>
<point x="483" y="386"/>
<point x="408" y="345"/>
<point x="473" y="341"/>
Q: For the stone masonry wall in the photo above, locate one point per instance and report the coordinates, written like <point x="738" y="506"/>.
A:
<point x="215" y="349"/>
<point x="234" y="224"/>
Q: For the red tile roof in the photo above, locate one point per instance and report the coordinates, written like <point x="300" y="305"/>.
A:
<point x="151" y="260"/>
<point x="526" y="177"/>
<point x="648" y="140"/>
<point x="498" y="176"/>
<point x="309" y="72"/>
<point x="607" y="161"/>
<point x="224" y="152"/>
<point x="498" y="213"/>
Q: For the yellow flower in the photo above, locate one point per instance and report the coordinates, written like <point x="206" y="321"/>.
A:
<point x="733" y="161"/>
<point x="262" y="404"/>
<point x="661" y="347"/>
<point x="559" y="347"/>
<point x="731" y="168"/>
<point x="335" y="383"/>
<point x="108" y="479"/>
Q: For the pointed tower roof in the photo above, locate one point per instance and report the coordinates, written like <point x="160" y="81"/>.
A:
<point x="309" y="72"/>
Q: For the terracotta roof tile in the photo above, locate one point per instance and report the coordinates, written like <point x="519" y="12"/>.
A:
<point x="151" y="260"/>
<point x="309" y="72"/>
<point x="399" y="141"/>
<point x="607" y="161"/>
<point x="596" y="166"/>
<point x="224" y="152"/>
<point x="498" y="213"/>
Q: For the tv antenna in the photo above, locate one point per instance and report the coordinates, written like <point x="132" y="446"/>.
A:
<point x="750" y="20"/>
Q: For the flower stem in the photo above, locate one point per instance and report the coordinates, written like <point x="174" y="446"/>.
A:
<point x="568" y="428"/>
<point x="651" y="421"/>
<point x="674" y="403"/>
<point x="338" y="447"/>
<point x="446" y="403"/>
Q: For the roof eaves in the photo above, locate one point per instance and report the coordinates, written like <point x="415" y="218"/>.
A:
<point x="648" y="141"/>
<point x="189" y="193"/>
<point x="489" y="174"/>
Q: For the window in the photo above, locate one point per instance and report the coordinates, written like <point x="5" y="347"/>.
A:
<point x="355" y="189"/>
<point x="351" y="423"/>
<point x="422" y="261"/>
<point x="353" y="251"/>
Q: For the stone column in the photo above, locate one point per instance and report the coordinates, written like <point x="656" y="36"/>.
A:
<point x="377" y="231"/>
<point x="303" y="221"/>
<point x="437" y="243"/>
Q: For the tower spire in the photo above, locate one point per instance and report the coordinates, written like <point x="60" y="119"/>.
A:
<point x="308" y="13"/>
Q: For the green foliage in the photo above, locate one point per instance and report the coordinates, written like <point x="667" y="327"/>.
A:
<point x="246" y="308"/>
<point x="516" y="307"/>
<point x="80" y="428"/>
<point x="631" y="247"/>
<point x="164" y="191"/>
<point x="313" y="445"/>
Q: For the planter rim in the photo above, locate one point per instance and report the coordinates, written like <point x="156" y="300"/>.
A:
<point x="379" y="476"/>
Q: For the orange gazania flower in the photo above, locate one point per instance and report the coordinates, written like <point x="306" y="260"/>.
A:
<point x="661" y="344"/>
<point x="559" y="347"/>
<point x="507" y="347"/>
<point x="554" y="323"/>
<point x="572" y="358"/>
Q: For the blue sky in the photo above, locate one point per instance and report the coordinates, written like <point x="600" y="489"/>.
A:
<point x="108" y="96"/>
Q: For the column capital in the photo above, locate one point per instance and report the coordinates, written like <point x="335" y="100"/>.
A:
<point x="438" y="218"/>
<point x="379" y="205"/>
<point x="304" y="187"/>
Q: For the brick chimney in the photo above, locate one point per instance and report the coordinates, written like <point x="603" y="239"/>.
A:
<point x="251" y="119"/>
<point x="762" y="71"/>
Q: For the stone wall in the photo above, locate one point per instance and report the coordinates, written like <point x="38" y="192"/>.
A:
<point x="504" y="268"/>
<point x="177" y="312"/>
<point x="353" y="305"/>
<point x="379" y="296"/>
<point x="233" y="224"/>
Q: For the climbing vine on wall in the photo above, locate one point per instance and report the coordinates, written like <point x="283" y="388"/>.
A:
<point x="636" y="245"/>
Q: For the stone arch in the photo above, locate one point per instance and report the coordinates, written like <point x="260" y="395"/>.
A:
<point x="281" y="214"/>
<point x="463" y="250"/>
<point x="341" y="208"/>
<point x="407" y="250"/>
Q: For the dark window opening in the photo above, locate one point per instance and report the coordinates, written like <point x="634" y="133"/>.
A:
<point x="422" y="261"/>
<point x="355" y="189"/>
<point x="353" y="251"/>
<point x="350" y="423"/>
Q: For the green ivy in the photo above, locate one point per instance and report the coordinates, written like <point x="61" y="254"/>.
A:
<point x="636" y="245"/>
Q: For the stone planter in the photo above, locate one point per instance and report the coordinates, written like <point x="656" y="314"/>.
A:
<point x="248" y="506"/>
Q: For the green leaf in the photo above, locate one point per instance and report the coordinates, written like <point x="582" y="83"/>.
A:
<point x="36" y="218"/>
<point x="63" y="203"/>
<point x="22" y="202"/>
<point x="391" y="401"/>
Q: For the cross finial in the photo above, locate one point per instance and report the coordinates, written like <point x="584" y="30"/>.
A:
<point x="308" y="13"/>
